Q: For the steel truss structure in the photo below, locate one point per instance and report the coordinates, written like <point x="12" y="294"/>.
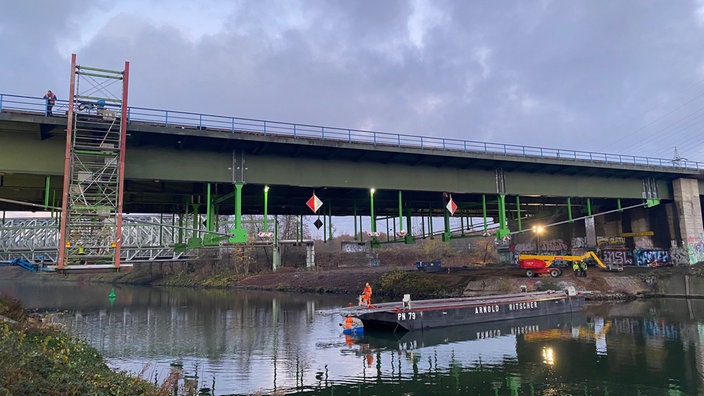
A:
<point x="144" y="238"/>
<point x="90" y="231"/>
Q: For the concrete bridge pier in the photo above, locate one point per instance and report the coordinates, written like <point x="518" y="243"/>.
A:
<point x="688" y="215"/>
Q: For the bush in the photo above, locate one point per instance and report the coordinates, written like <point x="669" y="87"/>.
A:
<point x="36" y="359"/>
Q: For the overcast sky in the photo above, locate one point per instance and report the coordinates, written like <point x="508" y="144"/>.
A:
<point x="609" y="76"/>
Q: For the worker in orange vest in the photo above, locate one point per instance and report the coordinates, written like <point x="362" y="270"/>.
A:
<point x="349" y="322"/>
<point x="367" y="295"/>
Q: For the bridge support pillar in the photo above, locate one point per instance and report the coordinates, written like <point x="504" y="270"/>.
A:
<point x="239" y="234"/>
<point x="310" y="255"/>
<point x="276" y="257"/>
<point x="689" y="212"/>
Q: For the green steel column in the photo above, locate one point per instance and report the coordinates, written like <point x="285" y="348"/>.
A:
<point x="208" y="237"/>
<point x="518" y="213"/>
<point x="298" y="222"/>
<point x="238" y="233"/>
<point x="47" y="183"/>
<point x="589" y="207"/>
<point x="569" y="209"/>
<point x="330" y="220"/>
<point x="503" y="230"/>
<point x="422" y="224"/>
<point x="430" y="222"/>
<point x="354" y="215"/>
<point x="208" y="212"/>
<point x="400" y="211"/>
<point x="484" y="212"/>
<point x="180" y="225"/>
<point x="618" y="203"/>
<point x="409" y="227"/>
<point x="325" y="234"/>
<point x="195" y="219"/>
<point x="462" y="225"/>
<point x="388" y="237"/>
<point x="374" y="240"/>
<point x="371" y="209"/>
<point x="161" y="229"/>
<point x="266" y="208"/>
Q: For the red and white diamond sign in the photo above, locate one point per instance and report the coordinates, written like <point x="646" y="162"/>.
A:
<point x="314" y="203"/>
<point x="451" y="206"/>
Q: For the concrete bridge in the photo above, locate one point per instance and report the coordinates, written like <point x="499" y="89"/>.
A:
<point x="180" y="162"/>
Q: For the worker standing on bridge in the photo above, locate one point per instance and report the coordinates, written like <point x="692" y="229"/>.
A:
<point x="367" y="295"/>
<point x="50" y="101"/>
<point x="583" y="268"/>
<point x="575" y="268"/>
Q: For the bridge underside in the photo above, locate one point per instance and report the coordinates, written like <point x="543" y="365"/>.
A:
<point x="169" y="168"/>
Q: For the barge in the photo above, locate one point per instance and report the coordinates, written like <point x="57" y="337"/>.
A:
<point x="410" y="315"/>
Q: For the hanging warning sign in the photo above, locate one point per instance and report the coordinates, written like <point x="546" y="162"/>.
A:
<point x="314" y="203"/>
<point x="451" y="206"/>
<point x="318" y="224"/>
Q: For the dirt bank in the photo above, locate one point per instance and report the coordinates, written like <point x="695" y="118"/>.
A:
<point x="466" y="281"/>
<point x="394" y="281"/>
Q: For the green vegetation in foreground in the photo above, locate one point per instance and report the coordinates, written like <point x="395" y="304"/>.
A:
<point x="37" y="359"/>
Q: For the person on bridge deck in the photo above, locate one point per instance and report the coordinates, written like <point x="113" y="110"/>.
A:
<point x="575" y="268"/>
<point x="50" y="101"/>
<point x="367" y="295"/>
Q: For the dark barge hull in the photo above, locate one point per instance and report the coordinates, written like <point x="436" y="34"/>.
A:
<point x="428" y="314"/>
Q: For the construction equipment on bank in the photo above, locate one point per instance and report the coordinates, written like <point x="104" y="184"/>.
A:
<point x="536" y="264"/>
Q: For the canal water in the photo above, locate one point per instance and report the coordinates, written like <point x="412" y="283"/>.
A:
<point x="244" y="342"/>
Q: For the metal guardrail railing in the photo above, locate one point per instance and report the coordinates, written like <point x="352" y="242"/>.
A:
<point x="199" y="121"/>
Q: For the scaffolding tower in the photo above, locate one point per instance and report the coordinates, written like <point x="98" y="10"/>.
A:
<point x="91" y="208"/>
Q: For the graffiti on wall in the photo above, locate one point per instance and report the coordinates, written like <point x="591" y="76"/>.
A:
<point x="607" y="242"/>
<point x="554" y="246"/>
<point x="651" y="257"/>
<point x="557" y="246"/>
<point x="679" y="254"/>
<point x="524" y="247"/>
<point x="643" y="243"/>
<point x="695" y="249"/>
<point x="616" y="256"/>
<point x="579" y="243"/>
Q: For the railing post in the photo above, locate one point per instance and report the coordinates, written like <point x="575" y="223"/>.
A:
<point x="398" y="141"/>
<point x="166" y="118"/>
<point x="294" y="130"/>
<point x="349" y="137"/>
<point x="1" y="102"/>
<point x="200" y="121"/>
<point x="421" y="142"/>
<point x="322" y="133"/>
<point x="264" y="128"/>
<point x="233" y="124"/>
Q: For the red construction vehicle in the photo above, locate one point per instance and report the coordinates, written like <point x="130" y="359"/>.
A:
<point x="536" y="264"/>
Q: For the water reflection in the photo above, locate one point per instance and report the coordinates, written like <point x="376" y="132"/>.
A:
<point x="252" y="342"/>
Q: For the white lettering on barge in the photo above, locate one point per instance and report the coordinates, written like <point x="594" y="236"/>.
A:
<point x="406" y="316"/>
<point x="486" y="309"/>
<point x="523" y="305"/>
